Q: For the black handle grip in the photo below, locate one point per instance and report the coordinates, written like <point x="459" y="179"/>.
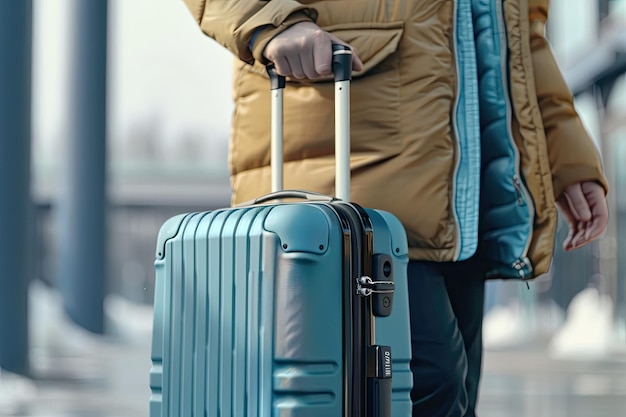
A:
<point x="276" y="81"/>
<point x="342" y="62"/>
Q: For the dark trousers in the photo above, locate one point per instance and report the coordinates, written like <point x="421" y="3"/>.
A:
<point x="446" y="305"/>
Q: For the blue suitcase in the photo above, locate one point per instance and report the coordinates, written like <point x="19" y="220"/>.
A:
<point x="283" y="308"/>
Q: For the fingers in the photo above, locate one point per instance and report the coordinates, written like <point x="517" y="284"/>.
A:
<point x="577" y="202"/>
<point x="302" y="51"/>
<point x="282" y="65"/>
<point x="572" y="223"/>
<point x="287" y="61"/>
<point x="311" y="58"/>
<point x="357" y="65"/>
<point x="322" y="55"/>
<point x="587" y="221"/>
<point x="297" y="65"/>
<point x="576" y="211"/>
<point x="595" y="197"/>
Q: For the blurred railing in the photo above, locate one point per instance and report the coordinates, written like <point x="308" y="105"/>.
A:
<point x="137" y="213"/>
<point x="134" y="218"/>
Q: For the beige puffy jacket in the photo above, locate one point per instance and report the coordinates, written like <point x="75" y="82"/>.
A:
<point x="462" y="125"/>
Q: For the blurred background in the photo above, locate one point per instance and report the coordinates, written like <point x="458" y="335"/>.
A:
<point x="115" y="115"/>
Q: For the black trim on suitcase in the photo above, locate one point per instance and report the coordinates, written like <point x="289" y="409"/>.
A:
<point x="371" y="363"/>
<point x="367" y="367"/>
<point x="349" y="269"/>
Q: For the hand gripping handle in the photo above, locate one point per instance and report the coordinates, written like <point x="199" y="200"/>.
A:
<point x="342" y="71"/>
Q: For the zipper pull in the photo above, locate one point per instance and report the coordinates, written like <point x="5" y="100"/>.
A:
<point x="522" y="266"/>
<point x="517" y="184"/>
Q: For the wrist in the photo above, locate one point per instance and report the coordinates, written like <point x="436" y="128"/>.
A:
<point x="255" y="34"/>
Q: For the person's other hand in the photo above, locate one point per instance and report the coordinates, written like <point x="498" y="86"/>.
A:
<point x="305" y="51"/>
<point x="584" y="207"/>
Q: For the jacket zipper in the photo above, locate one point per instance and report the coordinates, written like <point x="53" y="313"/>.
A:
<point x="457" y="249"/>
<point x="522" y="264"/>
<point x="466" y="236"/>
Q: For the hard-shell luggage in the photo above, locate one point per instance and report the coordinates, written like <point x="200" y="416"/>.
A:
<point x="282" y="308"/>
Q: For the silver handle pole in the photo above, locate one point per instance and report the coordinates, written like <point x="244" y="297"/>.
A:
<point x="342" y="140"/>
<point x="276" y="153"/>
<point x="276" y="139"/>
<point x="342" y="69"/>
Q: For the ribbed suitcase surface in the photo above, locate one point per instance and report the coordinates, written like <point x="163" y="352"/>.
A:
<point x="248" y="313"/>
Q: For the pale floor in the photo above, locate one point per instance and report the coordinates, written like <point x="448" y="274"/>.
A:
<point x="527" y="383"/>
<point x="524" y="383"/>
<point x="79" y="376"/>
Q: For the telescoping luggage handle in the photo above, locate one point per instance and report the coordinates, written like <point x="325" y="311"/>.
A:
<point x="342" y="70"/>
<point x="377" y="358"/>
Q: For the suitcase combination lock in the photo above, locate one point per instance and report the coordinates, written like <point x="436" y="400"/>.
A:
<point x="381" y="293"/>
<point x="366" y="286"/>
<point x="379" y="286"/>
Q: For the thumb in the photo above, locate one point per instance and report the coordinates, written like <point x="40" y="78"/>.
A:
<point x="357" y="64"/>
<point x="577" y="202"/>
<point x="566" y="211"/>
